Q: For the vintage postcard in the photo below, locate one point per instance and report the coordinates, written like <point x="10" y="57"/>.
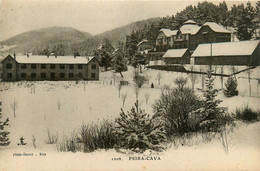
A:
<point x="129" y="85"/>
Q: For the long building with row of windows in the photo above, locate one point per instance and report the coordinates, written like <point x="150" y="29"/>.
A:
<point x="39" y="68"/>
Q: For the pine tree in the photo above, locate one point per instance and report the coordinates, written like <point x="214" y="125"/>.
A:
<point x="138" y="132"/>
<point x="210" y="113"/>
<point x="231" y="87"/>
<point x="4" y="140"/>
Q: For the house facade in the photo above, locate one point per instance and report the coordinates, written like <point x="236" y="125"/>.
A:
<point x="177" y="56"/>
<point x="143" y="46"/>
<point x="39" y="68"/>
<point x="191" y="35"/>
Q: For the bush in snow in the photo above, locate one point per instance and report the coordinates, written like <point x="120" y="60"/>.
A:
<point x="139" y="80"/>
<point x="138" y="132"/>
<point x="231" y="87"/>
<point x="210" y="114"/>
<point x="4" y="140"/>
<point x="51" y="138"/>
<point x="247" y="114"/>
<point x="175" y="105"/>
<point x="97" y="136"/>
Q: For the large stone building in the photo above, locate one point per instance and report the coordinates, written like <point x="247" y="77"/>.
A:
<point x="39" y="68"/>
<point x="191" y="35"/>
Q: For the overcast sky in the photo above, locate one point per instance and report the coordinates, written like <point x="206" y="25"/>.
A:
<point x="95" y="17"/>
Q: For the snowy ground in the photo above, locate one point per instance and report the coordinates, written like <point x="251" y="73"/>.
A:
<point x="37" y="109"/>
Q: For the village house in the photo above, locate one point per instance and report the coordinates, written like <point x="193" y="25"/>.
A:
<point x="177" y="56"/>
<point x="143" y="46"/>
<point x="191" y="35"/>
<point x="38" y="68"/>
<point x="245" y="53"/>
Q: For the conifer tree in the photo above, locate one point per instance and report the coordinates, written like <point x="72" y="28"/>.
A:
<point x="4" y="140"/>
<point x="210" y="113"/>
<point x="138" y="132"/>
<point x="231" y="87"/>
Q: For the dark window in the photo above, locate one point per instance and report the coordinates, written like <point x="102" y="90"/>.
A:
<point x="23" y="66"/>
<point x="71" y="66"/>
<point x="9" y="66"/>
<point x="43" y="66"/>
<point x="80" y="66"/>
<point x="71" y="75"/>
<point x="23" y="75"/>
<point x="33" y="75"/>
<point x="80" y="75"/>
<point x="62" y="75"/>
<point x="93" y="66"/>
<point x="43" y="75"/>
<point x="9" y="75"/>
<point x="93" y="75"/>
<point x="52" y="66"/>
<point x="62" y="66"/>
<point x="33" y="66"/>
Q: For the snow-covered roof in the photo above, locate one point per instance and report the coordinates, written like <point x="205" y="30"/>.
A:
<point x="143" y="41"/>
<point x="190" y="22"/>
<point x="169" y="32"/>
<point x="189" y="29"/>
<point x="175" y="53"/>
<point x="216" y="27"/>
<point x="53" y="59"/>
<point x="240" y="48"/>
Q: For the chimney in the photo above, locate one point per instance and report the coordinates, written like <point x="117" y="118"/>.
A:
<point x="27" y="55"/>
<point x="14" y="56"/>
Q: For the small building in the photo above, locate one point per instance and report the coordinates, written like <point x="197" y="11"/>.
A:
<point x="143" y="46"/>
<point x="39" y="68"/>
<point x="177" y="56"/>
<point x="228" y="53"/>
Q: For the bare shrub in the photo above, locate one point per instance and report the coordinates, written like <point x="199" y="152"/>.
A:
<point x="139" y="80"/>
<point x="51" y="138"/>
<point x="97" y="136"/>
<point x="159" y="77"/>
<point x="247" y="114"/>
<point x="69" y="143"/>
<point x="34" y="141"/>
<point x="14" y="107"/>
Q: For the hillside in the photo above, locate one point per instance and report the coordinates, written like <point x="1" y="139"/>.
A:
<point x="68" y="39"/>
<point x="39" y="39"/>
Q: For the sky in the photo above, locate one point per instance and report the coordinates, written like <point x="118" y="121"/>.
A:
<point x="92" y="16"/>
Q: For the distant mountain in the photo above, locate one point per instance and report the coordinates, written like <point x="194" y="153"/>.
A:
<point x="68" y="40"/>
<point x="120" y="33"/>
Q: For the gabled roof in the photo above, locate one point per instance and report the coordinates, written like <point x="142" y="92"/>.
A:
<point x="189" y="29"/>
<point x="53" y="59"/>
<point x="216" y="27"/>
<point x="168" y="32"/>
<point x="175" y="53"/>
<point x="143" y="41"/>
<point x="189" y="22"/>
<point x="240" y="48"/>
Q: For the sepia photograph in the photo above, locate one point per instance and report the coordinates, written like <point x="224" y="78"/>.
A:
<point x="129" y="85"/>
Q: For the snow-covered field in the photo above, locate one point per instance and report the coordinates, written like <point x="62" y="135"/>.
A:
<point x="63" y="106"/>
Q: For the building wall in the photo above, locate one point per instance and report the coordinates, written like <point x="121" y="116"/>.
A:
<point x="223" y="60"/>
<point x="86" y="73"/>
<point x="185" y="59"/>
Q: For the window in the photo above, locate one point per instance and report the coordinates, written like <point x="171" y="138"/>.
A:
<point x="9" y="75"/>
<point x="80" y="66"/>
<point x="71" y="75"/>
<point x="93" y="66"/>
<point x="43" y="75"/>
<point x="62" y="66"/>
<point x="33" y="75"/>
<point x="9" y="66"/>
<point x="23" y="76"/>
<point x="62" y="75"/>
<point x="80" y="75"/>
<point x="33" y="66"/>
<point x="43" y="66"/>
<point x="23" y="66"/>
<point x="93" y="75"/>
<point x="52" y="66"/>
<point x="71" y="66"/>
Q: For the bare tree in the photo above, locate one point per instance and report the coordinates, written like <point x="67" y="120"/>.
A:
<point x="34" y="141"/>
<point x="159" y="76"/>
<point x="148" y="77"/>
<point x="84" y="85"/>
<point x="124" y="96"/>
<point x="221" y="77"/>
<point x="146" y="97"/>
<point x="119" y="89"/>
<point x="193" y="77"/>
<point x="249" y="71"/>
<point x="136" y="91"/>
<point x="59" y="105"/>
<point x="14" y="107"/>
